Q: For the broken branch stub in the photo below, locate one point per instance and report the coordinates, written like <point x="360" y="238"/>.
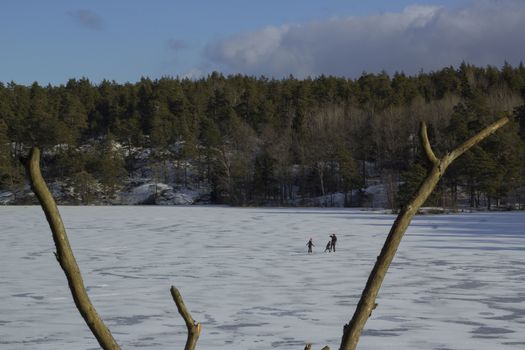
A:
<point x="194" y="329"/>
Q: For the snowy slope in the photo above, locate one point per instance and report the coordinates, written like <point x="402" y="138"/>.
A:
<point x="456" y="283"/>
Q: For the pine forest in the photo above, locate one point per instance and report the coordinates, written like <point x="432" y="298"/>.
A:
<point x="248" y="141"/>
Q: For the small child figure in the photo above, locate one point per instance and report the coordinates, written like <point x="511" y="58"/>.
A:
<point x="310" y="244"/>
<point x="328" y="246"/>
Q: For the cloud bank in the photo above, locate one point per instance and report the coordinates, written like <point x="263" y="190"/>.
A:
<point x="417" y="38"/>
<point x="87" y="19"/>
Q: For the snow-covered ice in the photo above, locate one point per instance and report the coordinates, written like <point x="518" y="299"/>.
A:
<point x="457" y="281"/>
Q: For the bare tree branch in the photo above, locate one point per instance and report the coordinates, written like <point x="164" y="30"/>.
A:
<point x="352" y="331"/>
<point x="64" y="254"/>
<point x="465" y="146"/>
<point x="194" y="329"/>
<point x="423" y="136"/>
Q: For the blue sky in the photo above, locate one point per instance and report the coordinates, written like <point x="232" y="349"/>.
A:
<point x="55" y="40"/>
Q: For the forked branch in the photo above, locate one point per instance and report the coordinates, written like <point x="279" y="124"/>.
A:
<point x="352" y="331"/>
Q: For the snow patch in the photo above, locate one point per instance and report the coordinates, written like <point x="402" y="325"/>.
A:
<point x="6" y="197"/>
<point x="159" y="193"/>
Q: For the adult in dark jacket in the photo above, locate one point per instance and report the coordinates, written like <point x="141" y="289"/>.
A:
<point x="334" y="241"/>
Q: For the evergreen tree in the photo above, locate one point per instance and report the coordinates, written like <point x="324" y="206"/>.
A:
<point x="5" y="155"/>
<point x="108" y="165"/>
<point x="84" y="186"/>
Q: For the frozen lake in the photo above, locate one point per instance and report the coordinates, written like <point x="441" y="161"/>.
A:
<point x="457" y="282"/>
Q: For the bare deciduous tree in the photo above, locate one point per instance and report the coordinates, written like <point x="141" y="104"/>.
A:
<point x="323" y="133"/>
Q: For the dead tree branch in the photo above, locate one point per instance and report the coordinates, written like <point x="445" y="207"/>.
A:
<point x="352" y="330"/>
<point x="423" y="137"/>
<point x="194" y="329"/>
<point x="67" y="261"/>
<point x="64" y="254"/>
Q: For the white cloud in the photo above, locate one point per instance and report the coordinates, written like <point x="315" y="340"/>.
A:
<point x="419" y="37"/>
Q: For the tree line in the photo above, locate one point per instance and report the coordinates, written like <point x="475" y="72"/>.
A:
<point x="255" y="140"/>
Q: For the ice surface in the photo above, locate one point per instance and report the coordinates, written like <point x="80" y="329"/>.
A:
<point x="457" y="281"/>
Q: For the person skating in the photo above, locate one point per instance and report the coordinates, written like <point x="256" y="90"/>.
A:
<point x="333" y="241"/>
<point x="328" y="246"/>
<point x="310" y="244"/>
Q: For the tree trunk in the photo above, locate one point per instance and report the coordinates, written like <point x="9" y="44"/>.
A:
<point x="320" y="172"/>
<point x="472" y="196"/>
